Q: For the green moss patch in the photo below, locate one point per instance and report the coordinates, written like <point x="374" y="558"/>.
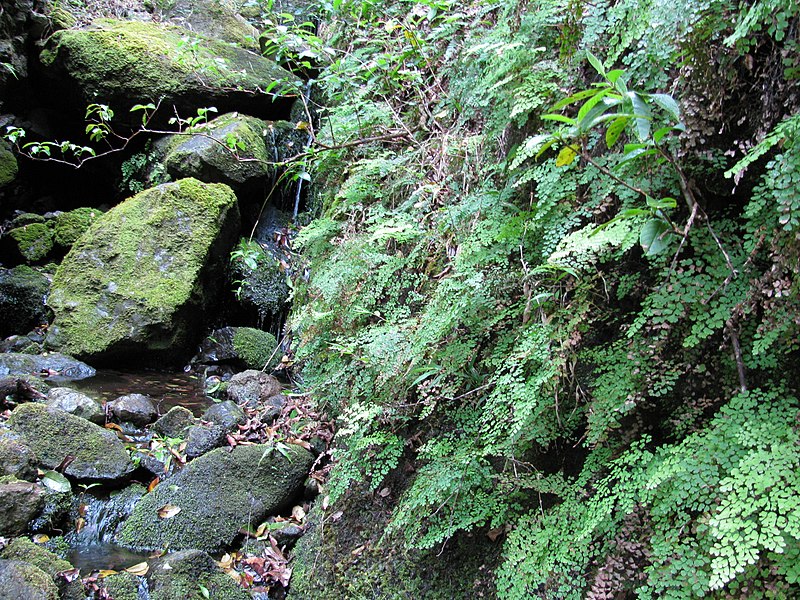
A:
<point x="69" y="226"/>
<point x="134" y="279"/>
<point x="256" y="348"/>
<point x="34" y="241"/>
<point x="8" y="165"/>
<point x="217" y="494"/>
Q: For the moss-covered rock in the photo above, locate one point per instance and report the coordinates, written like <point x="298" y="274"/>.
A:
<point x="16" y="457"/>
<point x="53" y="435"/>
<point x="34" y="242"/>
<point x="216" y="19"/>
<point x="8" y="165"/>
<point x="263" y="288"/>
<point x="24" y="550"/>
<point x="70" y="225"/>
<point x="256" y="348"/>
<point x="121" y="586"/>
<point x="218" y="494"/>
<point x="21" y="580"/>
<point x="22" y="296"/>
<point x="140" y="280"/>
<point x="209" y="156"/>
<point x="186" y="574"/>
<point x="127" y="62"/>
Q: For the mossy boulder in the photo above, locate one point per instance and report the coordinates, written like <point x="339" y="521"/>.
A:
<point x="122" y="63"/>
<point x="24" y="550"/>
<point x="54" y="435"/>
<point x="140" y="280"/>
<point x="8" y="165"/>
<point x="256" y="348"/>
<point x="22" y="300"/>
<point x="181" y="575"/>
<point x="216" y="19"/>
<point x="229" y="149"/>
<point x="22" y="580"/>
<point x="263" y="288"/>
<point x="218" y="494"/>
<point x="16" y="458"/>
<point x="34" y="242"/>
<point x="70" y="225"/>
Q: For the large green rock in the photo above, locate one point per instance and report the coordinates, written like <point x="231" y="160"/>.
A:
<point x="122" y="63"/>
<point x="140" y="280"/>
<point x="8" y="165"/>
<point x="34" y="242"/>
<point x="181" y="575"/>
<point x="22" y="295"/>
<point x="208" y="156"/>
<point x="54" y="435"/>
<point x="218" y="494"/>
<point x="24" y="550"/>
<point x="22" y="580"/>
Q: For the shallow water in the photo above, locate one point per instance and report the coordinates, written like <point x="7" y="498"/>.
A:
<point x="167" y="389"/>
<point x="104" y="556"/>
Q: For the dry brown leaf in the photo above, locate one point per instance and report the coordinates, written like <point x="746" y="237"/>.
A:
<point x="139" y="569"/>
<point x="298" y="514"/>
<point x="168" y="511"/>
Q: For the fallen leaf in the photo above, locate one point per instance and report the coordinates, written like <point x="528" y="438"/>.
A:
<point x="495" y="533"/>
<point x="139" y="569"/>
<point x="69" y="575"/>
<point x="298" y="514"/>
<point x="336" y="516"/>
<point x="56" y="482"/>
<point x="384" y="492"/>
<point x="325" y="502"/>
<point x="80" y="523"/>
<point x="41" y="538"/>
<point x="113" y="426"/>
<point x="168" y="511"/>
<point x="107" y="573"/>
<point x="153" y="484"/>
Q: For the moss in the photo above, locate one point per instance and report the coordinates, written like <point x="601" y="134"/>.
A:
<point x="22" y="294"/>
<point x="265" y="286"/>
<point x="25" y="550"/>
<point x="21" y="580"/>
<point x="189" y="570"/>
<point x="129" y="276"/>
<point x="53" y="434"/>
<point x="61" y="18"/>
<point x="69" y="226"/>
<point x="256" y="348"/>
<point x="8" y="165"/>
<point x="350" y="558"/>
<point x="122" y="586"/>
<point x="257" y="481"/>
<point x="129" y="61"/>
<point x="34" y="241"/>
<point x="27" y="219"/>
<point x="206" y="159"/>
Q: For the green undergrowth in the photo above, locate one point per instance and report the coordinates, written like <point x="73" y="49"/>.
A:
<point x="587" y="351"/>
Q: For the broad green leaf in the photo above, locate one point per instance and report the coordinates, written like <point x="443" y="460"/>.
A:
<point x="653" y="236"/>
<point x="612" y="76"/>
<point x="668" y="103"/>
<point x="567" y="155"/>
<point x="56" y="482"/>
<point x="560" y="118"/>
<point x="595" y="62"/>
<point x="590" y="104"/>
<point x="576" y="97"/>
<point x="547" y="145"/>
<point x="660" y="133"/>
<point x="662" y="203"/>
<point x="615" y="130"/>
<point x="642" y="115"/>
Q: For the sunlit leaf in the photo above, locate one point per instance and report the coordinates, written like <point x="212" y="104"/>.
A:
<point x="56" y="482"/>
<point x="168" y="511"/>
<point x="615" y="130"/>
<point x="139" y="569"/>
<point x="567" y="155"/>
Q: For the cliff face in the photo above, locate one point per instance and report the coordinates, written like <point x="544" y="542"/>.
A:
<point x="551" y="299"/>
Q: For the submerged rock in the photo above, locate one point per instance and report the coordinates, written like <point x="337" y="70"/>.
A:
<point x="140" y="280"/>
<point x="180" y="575"/>
<point x="53" y="364"/>
<point x="127" y="62"/>
<point x="22" y="295"/>
<point x="20" y="502"/>
<point x="217" y="494"/>
<point x="76" y="403"/>
<point x="55" y="435"/>
<point x="21" y="580"/>
<point x="134" y="408"/>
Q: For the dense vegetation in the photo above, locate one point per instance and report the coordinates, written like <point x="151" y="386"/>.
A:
<point x="552" y="296"/>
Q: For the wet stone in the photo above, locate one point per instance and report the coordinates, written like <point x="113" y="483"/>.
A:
<point x="76" y="403"/>
<point x="134" y="408"/>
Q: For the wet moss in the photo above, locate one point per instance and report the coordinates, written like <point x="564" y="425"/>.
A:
<point x="21" y="580"/>
<point x="34" y="241"/>
<point x="130" y="61"/>
<point x="218" y="493"/>
<point x="122" y="586"/>
<point x="138" y="266"/>
<point x="69" y="226"/>
<point x="8" y="165"/>
<point x="256" y="348"/>
<point x="25" y="550"/>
